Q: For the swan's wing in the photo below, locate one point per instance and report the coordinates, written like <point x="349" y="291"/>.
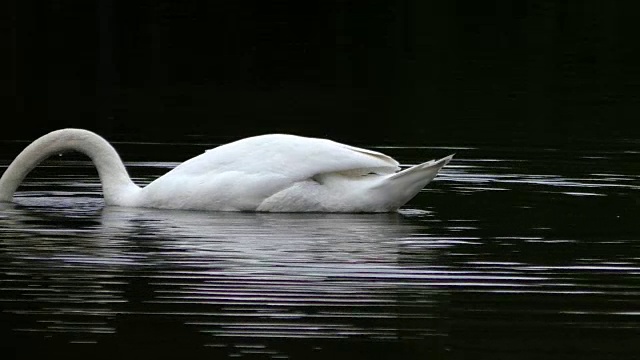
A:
<point x="292" y="157"/>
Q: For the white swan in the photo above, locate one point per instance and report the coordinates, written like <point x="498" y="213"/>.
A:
<point x="278" y="173"/>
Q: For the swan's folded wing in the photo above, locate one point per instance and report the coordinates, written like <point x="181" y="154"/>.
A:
<point x="332" y="157"/>
<point x="292" y="157"/>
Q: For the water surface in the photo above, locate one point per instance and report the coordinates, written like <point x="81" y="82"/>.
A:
<point x="512" y="252"/>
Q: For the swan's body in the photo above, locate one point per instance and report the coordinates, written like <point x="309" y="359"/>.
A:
<point x="280" y="173"/>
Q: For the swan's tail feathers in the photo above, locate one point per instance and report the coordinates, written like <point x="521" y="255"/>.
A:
<point x="422" y="172"/>
<point x="404" y="185"/>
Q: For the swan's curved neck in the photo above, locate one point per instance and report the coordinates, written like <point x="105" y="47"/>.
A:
<point x="117" y="187"/>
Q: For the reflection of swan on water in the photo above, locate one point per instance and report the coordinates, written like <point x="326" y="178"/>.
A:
<point x="229" y="273"/>
<point x="126" y="236"/>
<point x="286" y="275"/>
<point x="307" y="240"/>
<point x="278" y="173"/>
<point x="120" y="237"/>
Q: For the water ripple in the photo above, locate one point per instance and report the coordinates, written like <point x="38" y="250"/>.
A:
<point x="500" y="255"/>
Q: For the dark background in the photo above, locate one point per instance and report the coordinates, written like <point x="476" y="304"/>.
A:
<point x="409" y="71"/>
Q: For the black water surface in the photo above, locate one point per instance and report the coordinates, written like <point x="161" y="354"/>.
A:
<point x="512" y="252"/>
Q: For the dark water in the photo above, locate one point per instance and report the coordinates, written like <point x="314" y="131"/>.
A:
<point x="513" y="252"/>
